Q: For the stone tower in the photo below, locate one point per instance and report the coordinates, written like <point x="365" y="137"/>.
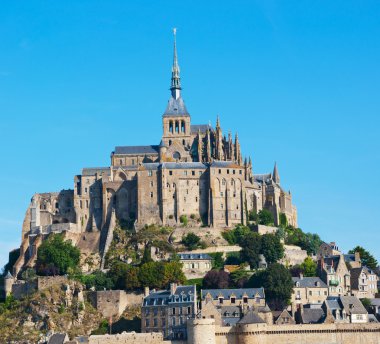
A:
<point x="8" y="282"/>
<point x="176" y="119"/>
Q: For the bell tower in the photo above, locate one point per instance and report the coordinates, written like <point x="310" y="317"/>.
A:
<point x="176" y="119"/>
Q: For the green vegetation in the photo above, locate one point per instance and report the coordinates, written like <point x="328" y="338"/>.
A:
<point x="265" y="217"/>
<point x="307" y="241"/>
<point x="183" y="219"/>
<point x="217" y="260"/>
<point x="55" y="256"/>
<point x="277" y="283"/>
<point x="366" y="257"/>
<point x="236" y="235"/>
<point x="366" y="303"/>
<point x="271" y="248"/>
<point x="216" y="279"/>
<point x="309" y="267"/>
<point x="191" y="241"/>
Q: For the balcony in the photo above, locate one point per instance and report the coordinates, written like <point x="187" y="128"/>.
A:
<point x="334" y="283"/>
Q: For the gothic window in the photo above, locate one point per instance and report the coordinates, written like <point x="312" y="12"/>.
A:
<point x="220" y="171"/>
<point x="176" y="127"/>
<point x="87" y="204"/>
<point x="80" y="204"/>
<point x="170" y="142"/>
<point x="193" y="173"/>
<point x="182" y="126"/>
<point x="183" y="142"/>
<point x="170" y="173"/>
<point x="171" y="127"/>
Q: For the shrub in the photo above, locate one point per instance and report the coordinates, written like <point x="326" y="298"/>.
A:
<point x="191" y="241"/>
<point x="192" y="216"/>
<point x="265" y="217"/>
<point x="183" y="220"/>
<point x="171" y="217"/>
<point x="216" y="279"/>
<point x="252" y="215"/>
<point x="217" y="260"/>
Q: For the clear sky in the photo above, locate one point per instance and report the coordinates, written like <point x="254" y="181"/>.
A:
<point x="298" y="80"/>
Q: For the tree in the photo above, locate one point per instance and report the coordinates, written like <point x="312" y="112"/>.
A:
<point x="151" y="275"/>
<point x="271" y="248"/>
<point x="98" y="280"/>
<point x="309" y="267"/>
<point x="366" y="303"/>
<point x="239" y="278"/>
<point x="57" y="253"/>
<point x="117" y="273"/>
<point x="236" y="235"/>
<point x="191" y="241"/>
<point x="366" y="257"/>
<point x="173" y="274"/>
<point x="277" y="283"/>
<point x="147" y="257"/>
<point x="265" y="217"/>
<point x="216" y="279"/>
<point x="251" y="248"/>
<point x="132" y="278"/>
<point x="217" y="260"/>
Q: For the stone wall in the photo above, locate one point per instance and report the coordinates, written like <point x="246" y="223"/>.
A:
<point x="112" y="303"/>
<point x="130" y="338"/>
<point x="48" y="281"/>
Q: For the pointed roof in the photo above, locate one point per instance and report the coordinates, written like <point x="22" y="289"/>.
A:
<point x="276" y="176"/>
<point x="251" y="318"/>
<point x="176" y="79"/>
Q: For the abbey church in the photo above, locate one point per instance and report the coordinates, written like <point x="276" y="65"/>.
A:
<point x="195" y="170"/>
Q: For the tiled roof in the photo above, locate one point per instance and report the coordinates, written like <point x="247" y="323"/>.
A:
<point x="151" y="165"/>
<point x="176" y="107"/>
<point x="91" y="171"/>
<point x="134" y="150"/>
<point x="57" y="338"/>
<point x="349" y="258"/>
<point x="239" y="293"/>
<point x="308" y="282"/>
<point x="259" y="178"/>
<point x="193" y="256"/>
<point x="375" y="302"/>
<point x="350" y="304"/>
<point x="218" y="163"/>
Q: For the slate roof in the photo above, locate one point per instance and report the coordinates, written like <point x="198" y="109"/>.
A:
<point x="151" y="165"/>
<point x="182" y="293"/>
<point x="134" y="150"/>
<point x="251" y="318"/>
<point x="193" y="256"/>
<point x="57" y="338"/>
<point x="183" y="165"/>
<point x="202" y="127"/>
<point x="312" y="315"/>
<point x="348" y="258"/>
<point x="260" y="178"/>
<point x="372" y="318"/>
<point x="309" y="282"/>
<point x="226" y="293"/>
<point x="350" y="304"/>
<point x="91" y="171"/>
<point x="218" y="163"/>
<point x="356" y="272"/>
<point x="176" y="107"/>
<point x="375" y="302"/>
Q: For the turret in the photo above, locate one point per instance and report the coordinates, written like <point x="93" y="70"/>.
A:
<point x="276" y="176"/>
<point x="238" y="157"/>
<point x="200" y="148"/>
<point x="219" y="155"/>
<point x="162" y="150"/>
<point x="9" y="280"/>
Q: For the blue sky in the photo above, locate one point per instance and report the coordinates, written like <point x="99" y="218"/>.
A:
<point x="299" y="81"/>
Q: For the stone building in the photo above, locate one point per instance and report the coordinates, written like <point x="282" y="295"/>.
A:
<point x="346" y="309"/>
<point x="327" y="250"/>
<point x="167" y="311"/>
<point x="363" y="282"/>
<point x="195" y="265"/>
<point x="333" y="271"/>
<point x="308" y="290"/>
<point x="194" y="170"/>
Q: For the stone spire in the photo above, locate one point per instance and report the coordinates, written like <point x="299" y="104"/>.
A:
<point x="218" y="141"/>
<point x="175" y="87"/>
<point x="276" y="176"/>
<point x="231" y="152"/>
<point x="200" y="153"/>
<point x="208" y="138"/>
<point x="237" y="150"/>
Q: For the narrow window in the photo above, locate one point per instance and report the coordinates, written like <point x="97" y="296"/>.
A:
<point x="120" y="162"/>
<point x="220" y="171"/>
<point x="233" y="300"/>
<point x="170" y="173"/>
<point x="150" y="173"/>
<point x="151" y="195"/>
<point x="133" y="161"/>
<point x="245" y="299"/>
<point x="193" y="173"/>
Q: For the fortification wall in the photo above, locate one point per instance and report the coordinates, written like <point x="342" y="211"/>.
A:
<point x="48" y="281"/>
<point x="130" y="338"/>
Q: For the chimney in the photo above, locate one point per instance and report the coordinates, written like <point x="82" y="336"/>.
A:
<point x="173" y="287"/>
<point x="146" y="291"/>
<point x="357" y="256"/>
<point x="301" y="275"/>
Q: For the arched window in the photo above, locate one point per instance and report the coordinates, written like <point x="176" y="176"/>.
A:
<point x="170" y="142"/>
<point x="176" y="126"/>
<point x="171" y="127"/>
<point x="183" y="142"/>
<point x="182" y="126"/>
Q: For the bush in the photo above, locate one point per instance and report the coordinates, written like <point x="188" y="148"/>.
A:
<point x="183" y="220"/>
<point x="265" y="217"/>
<point x="191" y="241"/>
<point x="192" y="216"/>
<point x="217" y="260"/>
<point x="252" y="215"/>
<point x="236" y="235"/>
<point x="171" y="217"/>
<point x="56" y="256"/>
<point x="233" y="258"/>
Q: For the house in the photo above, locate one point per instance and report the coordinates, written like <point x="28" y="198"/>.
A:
<point x="195" y="265"/>
<point x="327" y="250"/>
<point x="346" y="309"/>
<point x="333" y="271"/>
<point x="363" y="282"/>
<point x="229" y="306"/>
<point x="283" y="318"/>
<point x="375" y="307"/>
<point x="308" y="290"/>
<point x="353" y="259"/>
<point x="167" y="311"/>
<point x="310" y="314"/>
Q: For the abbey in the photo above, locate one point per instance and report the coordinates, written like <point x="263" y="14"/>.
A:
<point x="195" y="170"/>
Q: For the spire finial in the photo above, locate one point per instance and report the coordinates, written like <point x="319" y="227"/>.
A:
<point x="217" y="121"/>
<point x="176" y="80"/>
<point x="276" y="176"/>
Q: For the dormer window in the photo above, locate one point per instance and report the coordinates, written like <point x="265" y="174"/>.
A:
<point x="221" y="300"/>
<point x="233" y="299"/>
<point x="245" y="299"/>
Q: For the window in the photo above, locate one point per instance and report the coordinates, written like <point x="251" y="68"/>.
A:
<point x="150" y="173"/>
<point x="221" y="194"/>
<point x="245" y="299"/>
<point x="147" y="322"/>
<point x="228" y="171"/>
<point x="221" y="300"/>
<point x="183" y="142"/>
<point x="196" y="199"/>
<point x="188" y="310"/>
<point x="151" y="184"/>
<point x="233" y="300"/>
<point x="120" y="162"/>
<point x="233" y="172"/>
<point x="80" y="204"/>
<point x="133" y="161"/>
<point x="185" y="173"/>
<point x="170" y="173"/>
<point x="193" y="173"/>
<point x="154" y="322"/>
<point x="85" y="190"/>
<point x="310" y="293"/>
<point x="170" y="142"/>
<point x="173" y="311"/>
<point x="223" y="182"/>
<point x="151" y="195"/>
<point x="240" y="171"/>
<point x="221" y="206"/>
<point x="220" y="171"/>
<point x="87" y="204"/>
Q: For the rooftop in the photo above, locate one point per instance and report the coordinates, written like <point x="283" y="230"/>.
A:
<point x="134" y="150"/>
<point x="308" y="282"/>
<point x="238" y="293"/>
